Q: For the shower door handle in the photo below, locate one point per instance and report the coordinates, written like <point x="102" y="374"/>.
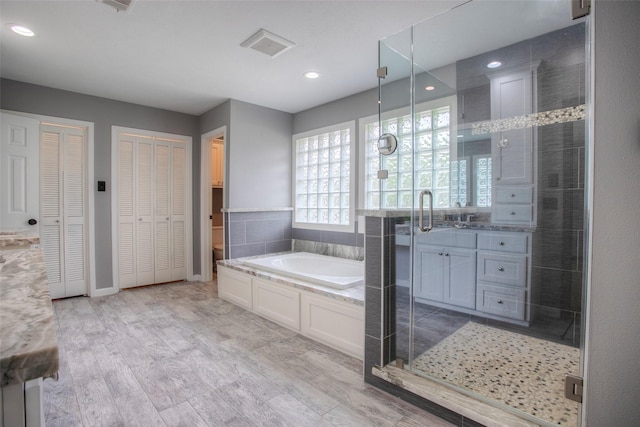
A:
<point x="421" y="215"/>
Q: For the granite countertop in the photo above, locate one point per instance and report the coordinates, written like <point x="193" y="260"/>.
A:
<point x="354" y="295"/>
<point x="481" y="222"/>
<point x="28" y="342"/>
<point x="486" y="226"/>
<point x="18" y="239"/>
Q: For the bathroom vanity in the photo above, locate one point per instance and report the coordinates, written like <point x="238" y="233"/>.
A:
<point x="480" y="271"/>
<point x="28" y="342"/>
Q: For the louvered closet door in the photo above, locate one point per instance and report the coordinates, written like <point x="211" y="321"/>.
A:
<point x="127" y="257"/>
<point x="144" y="212"/>
<point x="152" y="180"/>
<point x="63" y="209"/>
<point x="178" y="211"/>
<point x="162" y="211"/>
<point x="51" y="219"/>
<point x="74" y="212"/>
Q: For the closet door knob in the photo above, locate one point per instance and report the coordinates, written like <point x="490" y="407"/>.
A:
<point x="32" y="221"/>
<point x="500" y="301"/>
<point x="501" y="243"/>
<point x="500" y="268"/>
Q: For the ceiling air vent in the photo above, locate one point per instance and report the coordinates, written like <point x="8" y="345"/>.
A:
<point x="268" y="43"/>
<point x="119" y="5"/>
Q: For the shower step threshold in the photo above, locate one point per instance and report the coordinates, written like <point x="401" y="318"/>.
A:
<point x="452" y="399"/>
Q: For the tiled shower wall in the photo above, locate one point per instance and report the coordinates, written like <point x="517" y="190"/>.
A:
<point x="251" y="233"/>
<point x="257" y="233"/>
<point x="557" y="269"/>
<point x="380" y="316"/>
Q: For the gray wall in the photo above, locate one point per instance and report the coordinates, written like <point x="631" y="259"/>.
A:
<point x="258" y="157"/>
<point x="362" y="104"/>
<point x="613" y="346"/>
<point x="104" y="113"/>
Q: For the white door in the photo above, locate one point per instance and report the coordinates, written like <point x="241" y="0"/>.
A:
<point x="152" y="209"/>
<point x="145" y="267"/>
<point x="63" y="205"/>
<point x="18" y="173"/>
<point x="162" y="214"/>
<point x="178" y="211"/>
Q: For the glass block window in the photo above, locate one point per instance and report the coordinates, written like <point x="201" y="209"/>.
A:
<point x="432" y="165"/>
<point x="323" y="183"/>
<point x="459" y="182"/>
<point x="482" y="181"/>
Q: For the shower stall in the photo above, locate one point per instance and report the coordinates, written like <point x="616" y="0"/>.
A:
<point x="475" y="186"/>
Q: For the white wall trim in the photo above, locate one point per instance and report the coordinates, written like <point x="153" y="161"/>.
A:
<point x="91" y="228"/>
<point x="206" y="264"/>
<point x="114" y="197"/>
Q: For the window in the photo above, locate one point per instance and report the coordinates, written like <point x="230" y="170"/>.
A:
<point x="323" y="185"/>
<point x="482" y="166"/>
<point x="433" y="169"/>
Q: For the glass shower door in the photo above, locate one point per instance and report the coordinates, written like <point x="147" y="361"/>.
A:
<point x="488" y="103"/>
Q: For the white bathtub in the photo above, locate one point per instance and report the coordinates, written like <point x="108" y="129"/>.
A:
<point x="337" y="273"/>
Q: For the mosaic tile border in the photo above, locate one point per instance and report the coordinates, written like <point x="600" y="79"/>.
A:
<point x="561" y="115"/>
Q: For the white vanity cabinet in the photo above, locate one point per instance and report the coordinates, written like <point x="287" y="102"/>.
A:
<point x="483" y="273"/>
<point x="504" y="285"/>
<point x="513" y="145"/>
<point x="446" y="268"/>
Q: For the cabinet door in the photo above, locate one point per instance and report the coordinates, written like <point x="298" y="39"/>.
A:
<point x="511" y="97"/>
<point x="460" y="277"/>
<point x="429" y="272"/>
<point x="216" y="164"/>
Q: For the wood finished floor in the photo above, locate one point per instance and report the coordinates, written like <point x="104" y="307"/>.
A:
<point x="177" y="355"/>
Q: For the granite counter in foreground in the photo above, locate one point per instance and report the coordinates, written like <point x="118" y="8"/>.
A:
<point x="28" y="342"/>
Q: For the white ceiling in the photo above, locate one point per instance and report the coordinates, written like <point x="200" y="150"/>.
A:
<point x="186" y="56"/>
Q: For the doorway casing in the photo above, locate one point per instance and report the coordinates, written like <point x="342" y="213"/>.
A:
<point x="206" y="263"/>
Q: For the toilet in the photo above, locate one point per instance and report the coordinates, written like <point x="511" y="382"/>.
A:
<point x="217" y="245"/>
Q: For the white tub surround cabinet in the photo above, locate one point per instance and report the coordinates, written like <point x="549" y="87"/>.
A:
<point x="481" y="272"/>
<point x="332" y="317"/>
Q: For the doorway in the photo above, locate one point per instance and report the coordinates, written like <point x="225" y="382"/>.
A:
<point x="47" y="165"/>
<point x="213" y="183"/>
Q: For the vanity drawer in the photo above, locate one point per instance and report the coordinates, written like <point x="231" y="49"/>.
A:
<point x="448" y="237"/>
<point x="512" y="213"/>
<point x="514" y="195"/>
<point x="503" y="242"/>
<point x="501" y="301"/>
<point x="502" y="268"/>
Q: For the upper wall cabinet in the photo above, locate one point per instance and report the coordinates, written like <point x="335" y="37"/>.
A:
<point x="513" y="145"/>
<point x="217" y="158"/>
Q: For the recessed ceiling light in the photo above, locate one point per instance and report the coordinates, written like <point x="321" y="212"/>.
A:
<point x="22" y="30"/>
<point x="312" y="74"/>
<point x="494" y="64"/>
<point x="430" y="87"/>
